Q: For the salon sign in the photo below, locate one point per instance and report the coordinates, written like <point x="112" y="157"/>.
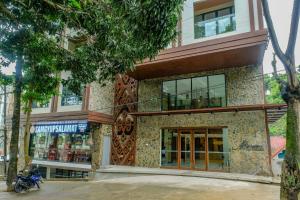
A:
<point x="75" y="126"/>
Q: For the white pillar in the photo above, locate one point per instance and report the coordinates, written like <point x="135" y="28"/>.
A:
<point x="188" y="22"/>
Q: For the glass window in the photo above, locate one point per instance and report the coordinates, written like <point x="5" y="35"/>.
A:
<point x="169" y="150"/>
<point x="199" y="92"/>
<point x="217" y="94"/>
<point x="36" y="104"/>
<point x="69" y="98"/>
<point x="184" y="94"/>
<point x="214" y="23"/>
<point x="63" y="147"/>
<point x="169" y="95"/>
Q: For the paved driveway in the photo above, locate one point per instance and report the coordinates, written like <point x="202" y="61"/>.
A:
<point x="148" y="188"/>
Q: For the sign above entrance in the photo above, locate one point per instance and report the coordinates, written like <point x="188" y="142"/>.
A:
<point x="76" y="126"/>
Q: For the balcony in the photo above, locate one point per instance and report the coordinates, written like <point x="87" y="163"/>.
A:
<point x="213" y="34"/>
<point x="215" y="26"/>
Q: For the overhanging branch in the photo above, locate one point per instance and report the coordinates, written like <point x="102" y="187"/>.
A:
<point x="286" y="63"/>
<point x="275" y="74"/>
<point x="293" y="30"/>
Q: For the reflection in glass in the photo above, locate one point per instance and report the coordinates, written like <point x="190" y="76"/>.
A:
<point x="69" y="98"/>
<point x="214" y="23"/>
<point x="63" y="147"/>
<point x="185" y="139"/>
<point x="169" y="95"/>
<point x="199" y="92"/>
<point x="199" y="148"/>
<point x="215" y="149"/>
<point x="169" y="147"/>
<point x="217" y="92"/>
<point x="183" y="94"/>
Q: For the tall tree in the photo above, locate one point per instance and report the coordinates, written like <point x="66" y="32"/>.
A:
<point x="40" y="80"/>
<point x="290" y="92"/>
<point x="114" y="35"/>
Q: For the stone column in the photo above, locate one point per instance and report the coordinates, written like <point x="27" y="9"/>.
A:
<point x="96" y="147"/>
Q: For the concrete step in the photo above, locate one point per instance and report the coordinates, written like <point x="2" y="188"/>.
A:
<point x="127" y="170"/>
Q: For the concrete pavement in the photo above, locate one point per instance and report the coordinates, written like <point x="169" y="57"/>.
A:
<point x="151" y="187"/>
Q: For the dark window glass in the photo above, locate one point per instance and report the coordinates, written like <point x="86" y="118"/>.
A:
<point x="217" y="94"/>
<point x="169" y="95"/>
<point x="63" y="147"/>
<point x="214" y="23"/>
<point x="199" y="92"/>
<point x="183" y="94"/>
<point x="169" y="151"/>
<point x="69" y="98"/>
<point x="36" y="104"/>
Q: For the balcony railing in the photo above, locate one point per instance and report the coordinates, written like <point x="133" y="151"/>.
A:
<point x="215" y="26"/>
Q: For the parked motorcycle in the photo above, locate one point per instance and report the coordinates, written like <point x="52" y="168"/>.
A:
<point x="24" y="183"/>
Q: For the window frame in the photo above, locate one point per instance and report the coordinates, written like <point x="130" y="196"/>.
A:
<point x="191" y="78"/>
<point x="80" y="97"/>
<point x="201" y="16"/>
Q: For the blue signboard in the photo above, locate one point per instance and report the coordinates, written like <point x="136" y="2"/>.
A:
<point x="76" y="126"/>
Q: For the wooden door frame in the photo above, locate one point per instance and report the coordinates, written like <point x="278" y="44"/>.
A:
<point x="192" y="148"/>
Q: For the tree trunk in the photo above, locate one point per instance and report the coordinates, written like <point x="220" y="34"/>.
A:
<point x="13" y="150"/>
<point x="96" y="136"/>
<point x="27" y="133"/>
<point x="290" y="177"/>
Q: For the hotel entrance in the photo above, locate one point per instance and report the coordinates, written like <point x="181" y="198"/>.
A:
<point x="195" y="148"/>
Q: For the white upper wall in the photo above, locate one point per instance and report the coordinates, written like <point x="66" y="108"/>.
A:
<point x="241" y="13"/>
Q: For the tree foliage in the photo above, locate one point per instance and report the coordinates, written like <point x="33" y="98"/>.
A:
<point x="110" y="37"/>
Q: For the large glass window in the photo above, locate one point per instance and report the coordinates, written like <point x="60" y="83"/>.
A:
<point x="197" y="92"/>
<point x="215" y="22"/>
<point x="217" y="91"/>
<point x="63" y="147"/>
<point x="69" y="98"/>
<point x="183" y="94"/>
<point x="169" y="95"/>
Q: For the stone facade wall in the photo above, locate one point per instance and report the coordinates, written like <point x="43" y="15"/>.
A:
<point x="246" y="130"/>
<point x="244" y="86"/>
<point x="102" y="98"/>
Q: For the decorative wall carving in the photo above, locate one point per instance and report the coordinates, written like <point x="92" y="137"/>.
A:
<point x="124" y="129"/>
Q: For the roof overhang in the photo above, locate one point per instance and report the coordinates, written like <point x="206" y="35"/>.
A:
<point x="232" y="51"/>
<point x="94" y="117"/>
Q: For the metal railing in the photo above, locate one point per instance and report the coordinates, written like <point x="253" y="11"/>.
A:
<point x="215" y="26"/>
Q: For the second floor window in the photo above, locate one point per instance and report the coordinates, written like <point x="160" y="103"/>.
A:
<point x="215" y="22"/>
<point x="69" y="98"/>
<point x="193" y="93"/>
<point x="36" y="104"/>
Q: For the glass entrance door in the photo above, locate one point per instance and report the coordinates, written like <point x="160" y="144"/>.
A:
<point x="200" y="149"/>
<point x="195" y="148"/>
<point x="185" y="149"/>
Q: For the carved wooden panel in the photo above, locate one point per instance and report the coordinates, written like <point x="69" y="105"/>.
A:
<point x="124" y="129"/>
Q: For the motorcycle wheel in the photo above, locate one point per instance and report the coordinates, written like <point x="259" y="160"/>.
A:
<point x="18" y="187"/>
<point x="38" y="185"/>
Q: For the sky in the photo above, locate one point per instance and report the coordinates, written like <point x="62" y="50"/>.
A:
<point x="281" y="11"/>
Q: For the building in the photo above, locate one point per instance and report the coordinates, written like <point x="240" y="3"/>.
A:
<point x="69" y="131"/>
<point x="201" y="102"/>
<point x="278" y="146"/>
<point x="199" y="105"/>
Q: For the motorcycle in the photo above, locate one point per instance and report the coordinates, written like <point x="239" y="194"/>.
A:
<point x="24" y="183"/>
